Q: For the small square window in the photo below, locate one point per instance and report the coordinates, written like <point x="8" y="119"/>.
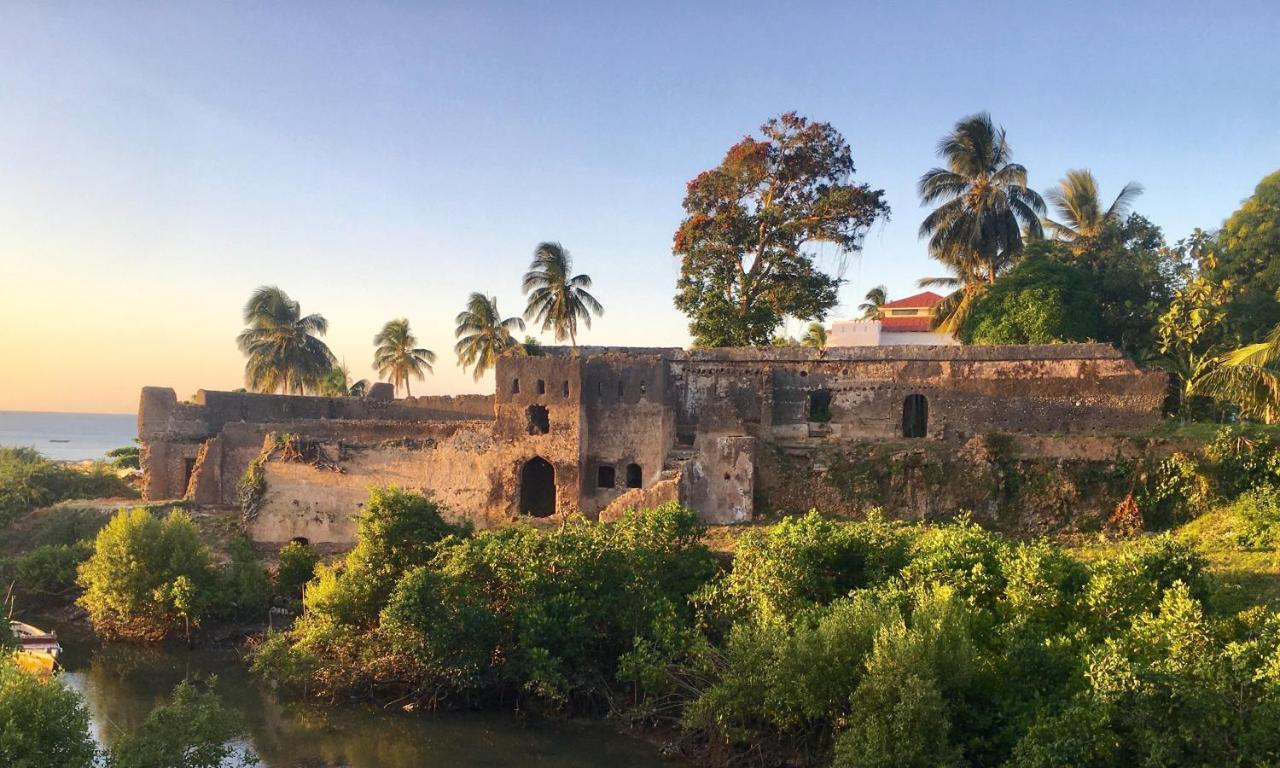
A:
<point x="605" y="476"/>
<point x="565" y="389"/>
<point x="515" y="386"/>
<point x="541" y="387"/>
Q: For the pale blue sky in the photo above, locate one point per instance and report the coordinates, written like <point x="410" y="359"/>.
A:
<point x="159" y="161"/>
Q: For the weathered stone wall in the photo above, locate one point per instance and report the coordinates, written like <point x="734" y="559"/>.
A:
<point x="1051" y="389"/>
<point x="713" y="427"/>
<point x="629" y="423"/>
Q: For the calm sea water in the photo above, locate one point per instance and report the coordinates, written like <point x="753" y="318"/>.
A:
<point x="68" y="436"/>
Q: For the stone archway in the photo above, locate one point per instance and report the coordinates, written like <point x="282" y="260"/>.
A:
<point x="537" y="488"/>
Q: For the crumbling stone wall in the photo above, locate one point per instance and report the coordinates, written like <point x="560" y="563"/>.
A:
<point x="708" y="427"/>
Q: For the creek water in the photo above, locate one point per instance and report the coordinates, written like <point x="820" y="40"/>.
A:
<point x="121" y="683"/>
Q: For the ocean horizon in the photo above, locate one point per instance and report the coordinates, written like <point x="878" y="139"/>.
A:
<point x="67" y="436"/>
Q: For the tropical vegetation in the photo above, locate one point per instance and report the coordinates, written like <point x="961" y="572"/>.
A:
<point x="397" y="356"/>
<point x="876" y="298"/>
<point x="558" y="301"/>
<point x="852" y="643"/>
<point x="983" y="206"/>
<point x="750" y="222"/>
<point x="282" y="346"/>
<point x="1079" y="208"/>
<point x="484" y="334"/>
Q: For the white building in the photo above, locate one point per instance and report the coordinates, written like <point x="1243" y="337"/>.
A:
<point x="905" y="321"/>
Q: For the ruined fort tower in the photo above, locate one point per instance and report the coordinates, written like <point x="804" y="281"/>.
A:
<point x="604" y="429"/>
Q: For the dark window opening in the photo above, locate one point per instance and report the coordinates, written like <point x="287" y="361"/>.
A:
<point x="635" y="476"/>
<point x="600" y="388"/>
<point x="915" y="416"/>
<point x="565" y="389"/>
<point x="188" y="469"/>
<point x="541" y="387"/>
<point x="606" y="476"/>
<point x="538" y="422"/>
<point x="537" y="488"/>
<point x="515" y="386"/>
<point x="644" y="388"/>
<point x="621" y="390"/>
<point x="820" y="405"/>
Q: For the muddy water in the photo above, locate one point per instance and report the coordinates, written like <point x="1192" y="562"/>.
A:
<point x="122" y="683"/>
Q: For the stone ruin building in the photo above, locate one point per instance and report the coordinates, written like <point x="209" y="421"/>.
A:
<point x="602" y="430"/>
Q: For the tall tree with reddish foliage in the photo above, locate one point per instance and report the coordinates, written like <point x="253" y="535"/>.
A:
<point x="745" y="241"/>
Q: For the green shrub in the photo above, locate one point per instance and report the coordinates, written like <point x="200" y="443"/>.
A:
<point x="1133" y="580"/>
<point x="1040" y="301"/>
<point x="790" y="681"/>
<point x="546" y="614"/>
<point x="50" y="569"/>
<point x="42" y="723"/>
<point x="1256" y="516"/>
<point x="803" y="561"/>
<point x="917" y="674"/>
<point x="127" y="457"/>
<point x="297" y="566"/>
<point x="245" y="585"/>
<point x="147" y="577"/>
<point x="193" y="729"/>
<point x="28" y="481"/>
<point x="1240" y="459"/>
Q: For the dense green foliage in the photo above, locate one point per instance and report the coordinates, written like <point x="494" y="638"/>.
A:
<point x="42" y="723"/>
<point x="1039" y="301"/>
<point x="297" y="566"/>
<point x="149" y="577"/>
<point x="744" y="244"/>
<point x="870" y="643"/>
<point x="190" y="730"/>
<point x="508" y="612"/>
<point x="28" y="481"/>
<point x="1247" y="247"/>
<point x="127" y="457"/>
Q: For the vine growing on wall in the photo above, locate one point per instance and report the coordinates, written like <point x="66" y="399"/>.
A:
<point x="252" y="488"/>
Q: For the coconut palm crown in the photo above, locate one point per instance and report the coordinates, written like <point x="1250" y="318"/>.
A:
<point x="557" y="301"/>
<point x="815" y="337"/>
<point x="983" y="207"/>
<point x="282" y="345"/>
<point x="483" y="335"/>
<point x="1078" y="206"/>
<point x="983" y="200"/>
<point x="875" y="299"/>
<point x="397" y="355"/>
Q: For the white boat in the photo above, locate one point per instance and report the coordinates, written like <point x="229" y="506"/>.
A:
<point x="38" y="650"/>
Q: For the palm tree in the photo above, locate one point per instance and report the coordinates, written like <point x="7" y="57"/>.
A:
<point x="397" y="355"/>
<point x="1079" y="206"/>
<point x="984" y="204"/>
<point x="334" y="382"/>
<point x="815" y="336"/>
<point x="281" y="344"/>
<point x="1248" y="377"/>
<point x="875" y="299"/>
<point x="556" y="301"/>
<point x="483" y="335"/>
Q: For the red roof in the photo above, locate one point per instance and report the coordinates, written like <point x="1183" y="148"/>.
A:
<point x="926" y="300"/>
<point x="899" y="324"/>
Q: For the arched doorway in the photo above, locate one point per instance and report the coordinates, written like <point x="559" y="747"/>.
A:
<point x="635" y="476"/>
<point x="915" y="416"/>
<point x="537" y="488"/>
